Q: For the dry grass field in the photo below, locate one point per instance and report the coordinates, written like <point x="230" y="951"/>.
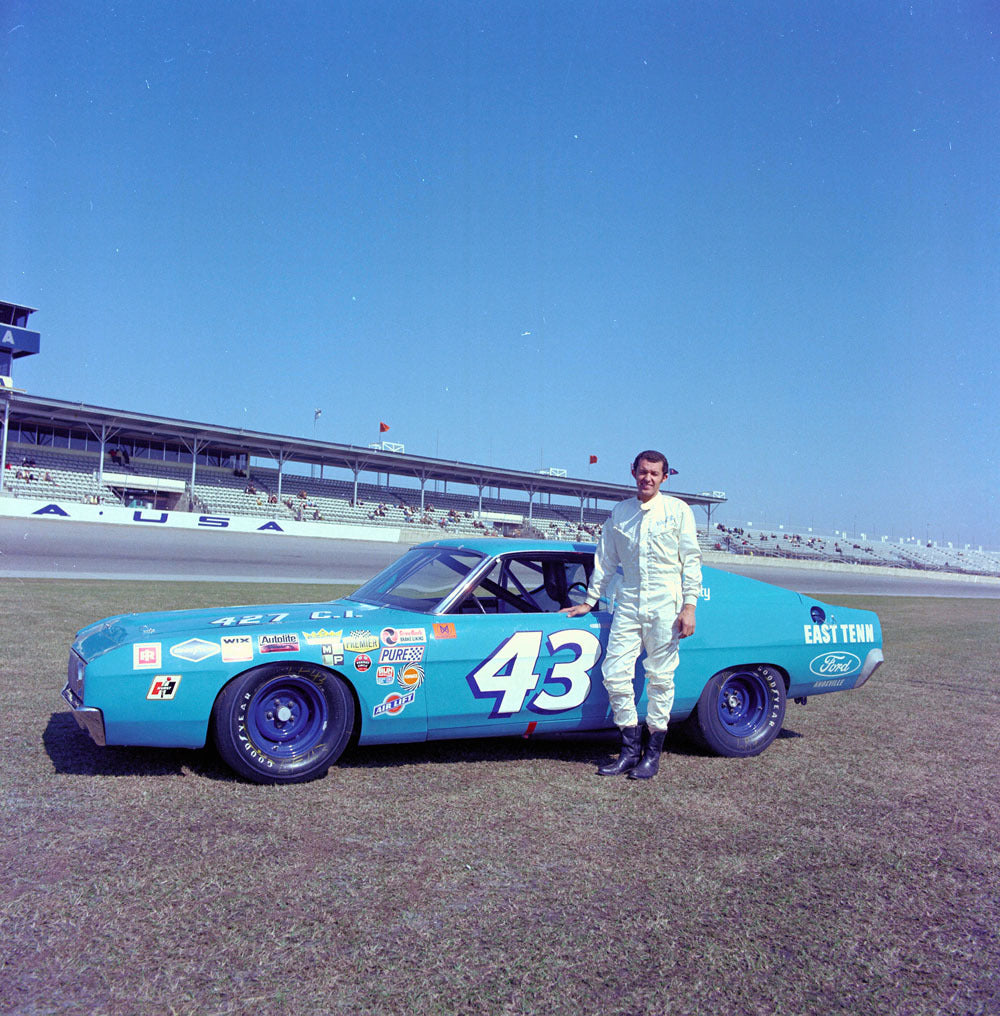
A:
<point x="854" y="867"/>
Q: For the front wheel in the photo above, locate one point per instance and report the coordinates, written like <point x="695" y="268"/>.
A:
<point x="283" y="722"/>
<point x="740" y="711"/>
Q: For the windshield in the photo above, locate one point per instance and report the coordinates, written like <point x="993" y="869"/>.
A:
<point x="420" y="579"/>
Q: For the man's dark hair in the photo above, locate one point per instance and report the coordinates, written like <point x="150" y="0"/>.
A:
<point x="651" y="456"/>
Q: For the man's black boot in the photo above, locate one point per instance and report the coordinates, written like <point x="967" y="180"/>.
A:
<point x="650" y="764"/>
<point x="630" y="754"/>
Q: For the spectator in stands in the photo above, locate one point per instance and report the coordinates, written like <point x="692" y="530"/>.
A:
<point x="654" y="610"/>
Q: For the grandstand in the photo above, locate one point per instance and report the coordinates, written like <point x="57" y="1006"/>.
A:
<point x="66" y="451"/>
<point x="148" y="464"/>
<point x="69" y="451"/>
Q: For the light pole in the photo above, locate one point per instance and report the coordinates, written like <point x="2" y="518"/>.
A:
<point x="317" y="413"/>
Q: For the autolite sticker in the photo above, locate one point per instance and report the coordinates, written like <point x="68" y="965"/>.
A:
<point x="278" y="643"/>
<point x="393" y="704"/>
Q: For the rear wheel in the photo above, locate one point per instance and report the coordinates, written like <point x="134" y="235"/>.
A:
<point x="740" y="711"/>
<point x="283" y="722"/>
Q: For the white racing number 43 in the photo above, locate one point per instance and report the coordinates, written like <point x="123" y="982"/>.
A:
<point x="511" y="673"/>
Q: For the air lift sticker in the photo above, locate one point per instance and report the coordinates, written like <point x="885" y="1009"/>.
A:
<point x="393" y="704"/>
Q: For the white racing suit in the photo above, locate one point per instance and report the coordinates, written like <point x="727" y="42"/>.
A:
<point x="656" y="545"/>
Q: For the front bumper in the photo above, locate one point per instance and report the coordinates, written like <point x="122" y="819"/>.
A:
<point x="90" y="720"/>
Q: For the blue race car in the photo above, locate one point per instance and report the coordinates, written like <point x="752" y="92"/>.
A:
<point x="458" y="638"/>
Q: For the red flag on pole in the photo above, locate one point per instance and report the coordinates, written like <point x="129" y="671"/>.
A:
<point x="382" y="427"/>
<point x="593" y="459"/>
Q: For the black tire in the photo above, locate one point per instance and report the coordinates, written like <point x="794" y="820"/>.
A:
<point x="740" y="711"/>
<point x="283" y="722"/>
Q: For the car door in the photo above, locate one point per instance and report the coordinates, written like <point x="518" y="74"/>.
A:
<point x="506" y="661"/>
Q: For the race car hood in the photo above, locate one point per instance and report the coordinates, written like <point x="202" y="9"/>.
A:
<point x="107" y="634"/>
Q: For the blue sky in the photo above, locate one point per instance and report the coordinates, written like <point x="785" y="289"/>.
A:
<point x="762" y="237"/>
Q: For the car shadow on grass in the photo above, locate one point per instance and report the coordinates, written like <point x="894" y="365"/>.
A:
<point x="72" y="752"/>
<point x="585" y="748"/>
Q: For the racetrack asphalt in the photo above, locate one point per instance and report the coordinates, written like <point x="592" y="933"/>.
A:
<point x="60" y="548"/>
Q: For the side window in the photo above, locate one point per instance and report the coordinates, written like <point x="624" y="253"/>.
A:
<point x="484" y="599"/>
<point x="577" y="577"/>
<point x="529" y="585"/>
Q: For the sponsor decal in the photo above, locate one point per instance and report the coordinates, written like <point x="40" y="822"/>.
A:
<point x="145" y="655"/>
<point x="829" y="684"/>
<point x="411" y="676"/>
<point x="195" y="650"/>
<point x="321" y="636"/>
<point x="284" y="643"/>
<point x="706" y="593"/>
<point x="362" y="662"/>
<point x="164" y="687"/>
<point x="444" y="630"/>
<point x="401" y="654"/>
<point x="393" y="704"/>
<point x="361" y="642"/>
<point x="332" y="656"/>
<point x="835" y="664"/>
<point x="403" y="636"/>
<point x="237" y="648"/>
<point x="386" y="675"/>
<point x="837" y="634"/>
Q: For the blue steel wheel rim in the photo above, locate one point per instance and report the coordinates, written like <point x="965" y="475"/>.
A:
<point x="742" y="703"/>
<point x="287" y="717"/>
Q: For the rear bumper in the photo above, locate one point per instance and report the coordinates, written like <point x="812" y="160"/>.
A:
<point x="872" y="662"/>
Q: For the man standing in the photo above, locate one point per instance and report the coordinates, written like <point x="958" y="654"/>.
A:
<point x="652" y="536"/>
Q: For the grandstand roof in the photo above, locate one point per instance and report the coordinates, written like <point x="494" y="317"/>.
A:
<point x="118" y="425"/>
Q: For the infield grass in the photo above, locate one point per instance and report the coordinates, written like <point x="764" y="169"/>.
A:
<point x="852" y="867"/>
